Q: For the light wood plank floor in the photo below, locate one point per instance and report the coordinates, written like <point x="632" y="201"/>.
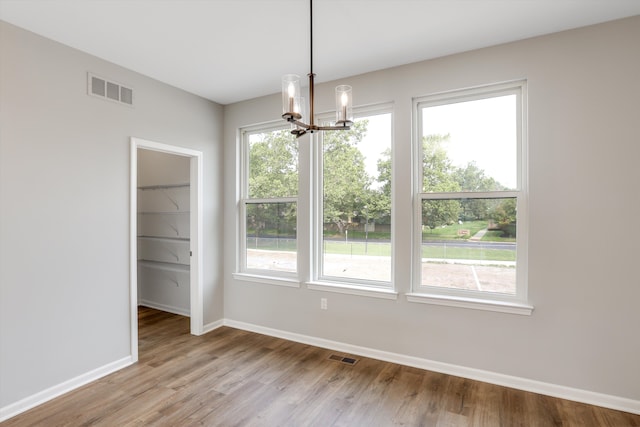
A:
<point x="230" y="377"/>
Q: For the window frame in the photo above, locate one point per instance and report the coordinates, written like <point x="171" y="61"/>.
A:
<point x="363" y="287"/>
<point x="274" y="277"/>
<point x="483" y="300"/>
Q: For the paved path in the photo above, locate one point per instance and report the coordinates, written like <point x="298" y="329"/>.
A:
<point x="478" y="236"/>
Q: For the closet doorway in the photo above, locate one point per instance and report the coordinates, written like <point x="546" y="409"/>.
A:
<point x="166" y="232"/>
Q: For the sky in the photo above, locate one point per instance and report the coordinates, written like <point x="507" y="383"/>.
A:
<point x="376" y="140"/>
<point x="483" y="131"/>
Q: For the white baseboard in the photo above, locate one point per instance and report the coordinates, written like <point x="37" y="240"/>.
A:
<point x="27" y="403"/>
<point x="164" y="307"/>
<point x="554" y="390"/>
<point x="212" y="326"/>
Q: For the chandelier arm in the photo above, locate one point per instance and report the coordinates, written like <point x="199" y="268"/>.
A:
<point x="345" y="126"/>
<point x="313" y="128"/>
<point x="299" y="123"/>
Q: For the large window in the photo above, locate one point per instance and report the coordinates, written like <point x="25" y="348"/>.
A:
<point x="353" y="243"/>
<point x="268" y="211"/>
<point x="470" y="213"/>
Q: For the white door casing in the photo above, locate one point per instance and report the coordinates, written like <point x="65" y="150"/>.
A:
<point x="196" y="229"/>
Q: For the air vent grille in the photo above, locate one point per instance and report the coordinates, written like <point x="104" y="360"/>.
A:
<point x="109" y="90"/>
<point x="341" y="359"/>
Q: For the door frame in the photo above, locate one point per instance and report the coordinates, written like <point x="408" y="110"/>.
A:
<point x="195" y="237"/>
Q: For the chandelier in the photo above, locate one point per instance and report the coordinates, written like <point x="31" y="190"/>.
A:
<point x="293" y="103"/>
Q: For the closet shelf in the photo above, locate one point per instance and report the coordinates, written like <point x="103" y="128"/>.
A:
<point x="174" y="239"/>
<point x="162" y="187"/>
<point x="165" y="265"/>
<point x="164" y="213"/>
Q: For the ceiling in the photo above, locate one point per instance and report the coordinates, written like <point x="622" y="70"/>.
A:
<point x="231" y="50"/>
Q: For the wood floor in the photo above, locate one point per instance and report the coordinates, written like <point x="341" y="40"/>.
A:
<point x="230" y="377"/>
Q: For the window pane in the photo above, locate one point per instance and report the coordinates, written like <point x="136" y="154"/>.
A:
<point x="470" y="146"/>
<point x="273" y="164"/>
<point x="357" y="201"/>
<point x="469" y="244"/>
<point x="271" y="236"/>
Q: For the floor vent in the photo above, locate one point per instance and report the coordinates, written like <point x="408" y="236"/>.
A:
<point x="109" y="90"/>
<point x="345" y="360"/>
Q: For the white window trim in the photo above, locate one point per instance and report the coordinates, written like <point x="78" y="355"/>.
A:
<point x="515" y="304"/>
<point x="363" y="287"/>
<point x="353" y="289"/>
<point x="273" y="277"/>
<point x="267" y="279"/>
<point x="473" y="303"/>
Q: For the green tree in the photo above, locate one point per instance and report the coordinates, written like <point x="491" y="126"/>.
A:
<point x="380" y="199"/>
<point x="346" y="183"/>
<point x="503" y="214"/>
<point x="273" y="165"/>
<point x="438" y="176"/>
<point x="472" y="178"/>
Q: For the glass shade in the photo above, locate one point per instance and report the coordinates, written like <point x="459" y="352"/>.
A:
<point x="344" y="104"/>
<point x="290" y="92"/>
<point x="299" y="107"/>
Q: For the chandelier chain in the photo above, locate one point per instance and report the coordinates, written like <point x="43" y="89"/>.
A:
<point x="311" y="36"/>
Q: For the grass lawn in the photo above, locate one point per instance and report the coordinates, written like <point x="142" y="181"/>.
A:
<point x="455" y="232"/>
<point x="444" y="252"/>
<point x="438" y="252"/>
<point x="452" y="232"/>
<point x="353" y="234"/>
<point x="357" y="248"/>
<point x="378" y="243"/>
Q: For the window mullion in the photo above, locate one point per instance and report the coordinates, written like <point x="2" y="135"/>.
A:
<point x="271" y="200"/>
<point x="470" y="195"/>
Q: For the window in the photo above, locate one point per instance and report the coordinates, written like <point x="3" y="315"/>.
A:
<point x="268" y="211"/>
<point x="470" y="214"/>
<point x="353" y="243"/>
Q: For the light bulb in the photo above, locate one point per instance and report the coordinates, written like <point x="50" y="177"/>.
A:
<point x="345" y="101"/>
<point x="343" y="105"/>
<point x="292" y="93"/>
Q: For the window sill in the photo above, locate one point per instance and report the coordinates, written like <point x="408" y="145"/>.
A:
<point x="269" y="280"/>
<point x="344" y="288"/>
<point x="476" y="304"/>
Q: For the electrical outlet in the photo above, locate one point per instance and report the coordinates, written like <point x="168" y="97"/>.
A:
<point x="323" y="303"/>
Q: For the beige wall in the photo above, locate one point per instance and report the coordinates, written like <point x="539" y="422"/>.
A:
<point x="64" y="216"/>
<point x="583" y="255"/>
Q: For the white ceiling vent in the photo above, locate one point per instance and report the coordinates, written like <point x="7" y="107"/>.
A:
<point x="109" y="90"/>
